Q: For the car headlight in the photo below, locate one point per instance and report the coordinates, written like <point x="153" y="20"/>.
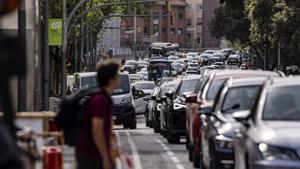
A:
<point x="126" y="100"/>
<point x="223" y="142"/>
<point x="276" y="153"/>
<point x="178" y="106"/>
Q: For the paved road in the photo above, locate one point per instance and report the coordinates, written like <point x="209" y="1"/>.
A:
<point x="151" y="151"/>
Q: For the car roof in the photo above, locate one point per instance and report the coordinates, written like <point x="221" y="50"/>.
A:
<point x="87" y="74"/>
<point x="247" y="81"/>
<point x="288" y="81"/>
<point x="143" y="82"/>
<point x="244" y="73"/>
<point x="194" y="77"/>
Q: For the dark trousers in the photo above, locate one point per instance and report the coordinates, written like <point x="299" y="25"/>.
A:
<point x="88" y="163"/>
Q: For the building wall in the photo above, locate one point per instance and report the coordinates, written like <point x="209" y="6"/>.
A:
<point x="194" y="22"/>
<point x="208" y="41"/>
<point x="159" y="27"/>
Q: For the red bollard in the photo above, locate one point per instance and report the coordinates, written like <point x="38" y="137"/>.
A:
<point x="52" y="158"/>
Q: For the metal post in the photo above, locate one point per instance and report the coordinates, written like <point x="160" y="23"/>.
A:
<point x="22" y="86"/>
<point x="75" y="53"/>
<point x="134" y="34"/>
<point x="64" y="51"/>
<point x="87" y="49"/>
<point x="81" y="41"/>
<point x="279" y="56"/>
<point x="46" y="74"/>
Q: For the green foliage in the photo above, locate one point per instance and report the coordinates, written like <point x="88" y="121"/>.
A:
<point x="261" y="25"/>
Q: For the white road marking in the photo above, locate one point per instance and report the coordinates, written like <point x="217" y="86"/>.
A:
<point x="179" y="166"/>
<point x="175" y="159"/>
<point x="135" y="154"/>
<point x="118" y="162"/>
<point x="170" y="153"/>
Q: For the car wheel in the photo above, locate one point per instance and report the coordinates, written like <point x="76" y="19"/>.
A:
<point x="133" y="125"/>
<point x="156" y="126"/>
<point x="173" y="138"/>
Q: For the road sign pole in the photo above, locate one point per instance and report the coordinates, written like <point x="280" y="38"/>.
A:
<point x="64" y="51"/>
<point x="46" y="74"/>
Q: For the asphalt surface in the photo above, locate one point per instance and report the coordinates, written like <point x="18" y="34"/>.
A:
<point x="149" y="150"/>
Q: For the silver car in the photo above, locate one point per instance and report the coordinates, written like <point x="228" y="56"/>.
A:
<point x="270" y="135"/>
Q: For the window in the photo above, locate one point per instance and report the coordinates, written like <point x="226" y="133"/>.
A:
<point x="172" y="30"/>
<point x="188" y="7"/>
<point x="145" y="29"/>
<point x="189" y="35"/>
<point x="189" y="22"/>
<point x="180" y="16"/>
<point x="199" y="21"/>
<point x="163" y="29"/>
<point x="180" y="31"/>
<point x="199" y="6"/>
<point x="172" y="18"/>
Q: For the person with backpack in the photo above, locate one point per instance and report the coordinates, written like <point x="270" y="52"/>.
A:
<point x="93" y="146"/>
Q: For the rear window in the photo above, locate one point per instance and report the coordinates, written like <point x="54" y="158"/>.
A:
<point x="214" y="89"/>
<point x="187" y="86"/>
<point x="145" y="86"/>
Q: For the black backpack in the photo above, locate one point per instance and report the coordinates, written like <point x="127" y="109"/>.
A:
<point x="70" y="115"/>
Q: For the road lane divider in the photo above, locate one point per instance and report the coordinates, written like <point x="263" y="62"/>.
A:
<point x="135" y="154"/>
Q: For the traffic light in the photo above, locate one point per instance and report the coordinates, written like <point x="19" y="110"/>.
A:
<point x="7" y="6"/>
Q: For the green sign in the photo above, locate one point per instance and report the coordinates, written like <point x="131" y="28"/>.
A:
<point x="55" y="32"/>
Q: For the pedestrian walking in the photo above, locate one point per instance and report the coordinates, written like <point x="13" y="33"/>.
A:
<point x="93" y="149"/>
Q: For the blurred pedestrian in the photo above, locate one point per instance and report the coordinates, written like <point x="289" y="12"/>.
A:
<point x="93" y="150"/>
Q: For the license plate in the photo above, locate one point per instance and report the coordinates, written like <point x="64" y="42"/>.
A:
<point x="114" y="117"/>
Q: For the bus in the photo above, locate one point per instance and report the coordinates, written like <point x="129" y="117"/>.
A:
<point x="159" y="68"/>
<point x="162" y="49"/>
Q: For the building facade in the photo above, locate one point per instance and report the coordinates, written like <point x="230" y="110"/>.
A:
<point x="194" y="22"/>
<point x="162" y="23"/>
<point x="207" y="40"/>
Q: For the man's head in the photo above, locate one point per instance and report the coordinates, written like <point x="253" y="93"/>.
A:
<point x="108" y="74"/>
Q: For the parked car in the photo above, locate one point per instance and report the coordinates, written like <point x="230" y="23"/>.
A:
<point x="151" y="106"/>
<point x="218" y="124"/>
<point x="204" y="59"/>
<point x="269" y="136"/>
<point x="145" y="86"/>
<point x="156" y="114"/>
<point x="215" y="58"/>
<point x="208" y="93"/>
<point x="177" y="67"/>
<point x="192" y="71"/>
<point x="131" y="67"/>
<point x="234" y="60"/>
<point x="85" y="80"/>
<point x="219" y="65"/>
<point x="174" y="109"/>
<point x="245" y="66"/>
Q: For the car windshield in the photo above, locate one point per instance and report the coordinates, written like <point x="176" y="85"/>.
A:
<point x="124" y="85"/>
<point x="89" y="82"/>
<point x="131" y="63"/>
<point x="187" y="86"/>
<point x="240" y="98"/>
<point x="214" y="88"/>
<point x="165" y="89"/>
<point x="145" y="86"/>
<point x="282" y="104"/>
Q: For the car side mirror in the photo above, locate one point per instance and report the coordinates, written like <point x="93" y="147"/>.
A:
<point x="241" y="116"/>
<point x="138" y="94"/>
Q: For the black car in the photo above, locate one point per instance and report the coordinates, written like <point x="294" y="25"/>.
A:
<point x="219" y="125"/>
<point x="158" y="99"/>
<point x="173" y="123"/>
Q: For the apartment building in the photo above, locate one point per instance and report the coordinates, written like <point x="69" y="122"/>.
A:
<point x="162" y="23"/>
<point x="194" y="23"/>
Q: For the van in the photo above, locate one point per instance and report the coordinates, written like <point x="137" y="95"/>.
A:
<point x="85" y="80"/>
<point x="124" y="104"/>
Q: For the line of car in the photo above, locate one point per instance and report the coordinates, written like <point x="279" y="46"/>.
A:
<point x="242" y="119"/>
